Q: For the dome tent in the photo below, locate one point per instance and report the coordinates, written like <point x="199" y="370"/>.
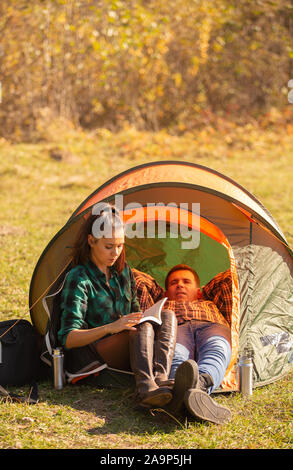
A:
<point x="236" y="232"/>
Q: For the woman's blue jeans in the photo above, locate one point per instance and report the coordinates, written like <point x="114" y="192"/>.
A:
<point x="207" y="344"/>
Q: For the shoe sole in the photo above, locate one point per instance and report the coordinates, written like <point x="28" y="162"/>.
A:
<point x="203" y="407"/>
<point x="186" y="377"/>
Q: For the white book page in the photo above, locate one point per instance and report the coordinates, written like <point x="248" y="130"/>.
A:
<point x="152" y="312"/>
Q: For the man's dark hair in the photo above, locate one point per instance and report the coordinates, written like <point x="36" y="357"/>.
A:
<point x="181" y="267"/>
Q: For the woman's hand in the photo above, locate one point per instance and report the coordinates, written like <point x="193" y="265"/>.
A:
<point x="79" y="338"/>
<point x="126" y="322"/>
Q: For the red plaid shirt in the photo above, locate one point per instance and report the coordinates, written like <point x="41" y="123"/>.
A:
<point x="148" y="290"/>
<point x="219" y="291"/>
<point x="214" y="306"/>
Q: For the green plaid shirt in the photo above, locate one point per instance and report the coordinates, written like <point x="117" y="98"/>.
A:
<point x="88" y="301"/>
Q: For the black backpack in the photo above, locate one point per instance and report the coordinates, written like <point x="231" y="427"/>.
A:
<point x="19" y="354"/>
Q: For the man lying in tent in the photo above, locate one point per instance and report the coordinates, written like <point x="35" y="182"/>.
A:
<point x="203" y="333"/>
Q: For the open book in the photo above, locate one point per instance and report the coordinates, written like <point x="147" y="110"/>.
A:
<point x="154" y="312"/>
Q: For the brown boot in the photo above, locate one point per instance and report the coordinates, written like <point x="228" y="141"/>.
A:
<point x="141" y="345"/>
<point x="165" y="341"/>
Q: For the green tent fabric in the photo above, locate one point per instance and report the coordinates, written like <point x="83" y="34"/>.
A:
<point x="208" y="259"/>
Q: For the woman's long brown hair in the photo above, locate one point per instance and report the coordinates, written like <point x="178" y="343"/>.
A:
<point x="81" y="249"/>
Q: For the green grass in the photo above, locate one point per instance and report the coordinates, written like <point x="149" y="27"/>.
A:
<point x="38" y="195"/>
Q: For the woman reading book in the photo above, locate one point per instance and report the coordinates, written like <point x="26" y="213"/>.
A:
<point x="99" y="301"/>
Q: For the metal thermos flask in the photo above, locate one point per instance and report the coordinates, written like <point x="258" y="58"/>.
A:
<point x="58" y="361"/>
<point x="245" y="370"/>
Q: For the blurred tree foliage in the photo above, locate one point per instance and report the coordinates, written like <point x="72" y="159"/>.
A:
<point x="174" y="64"/>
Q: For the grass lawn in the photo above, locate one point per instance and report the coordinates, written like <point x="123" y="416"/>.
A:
<point x="41" y="185"/>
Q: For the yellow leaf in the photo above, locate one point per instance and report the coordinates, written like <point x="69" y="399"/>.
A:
<point x="178" y="79"/>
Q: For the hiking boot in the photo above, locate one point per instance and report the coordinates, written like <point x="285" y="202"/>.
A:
<point x="186" y="378"/>
<point x="205" y="382"/>
<point x="203" y="407"/>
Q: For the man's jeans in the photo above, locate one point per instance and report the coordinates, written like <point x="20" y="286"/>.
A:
<point x="207" y="344"/>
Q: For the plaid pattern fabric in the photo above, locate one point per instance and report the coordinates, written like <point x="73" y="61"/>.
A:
<point x="214" y="306"/>
<point x="148" y="290"/>
<point x="87" y="301"/>
<point x="200" y="309"/>
<point x="219" y="291"/>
